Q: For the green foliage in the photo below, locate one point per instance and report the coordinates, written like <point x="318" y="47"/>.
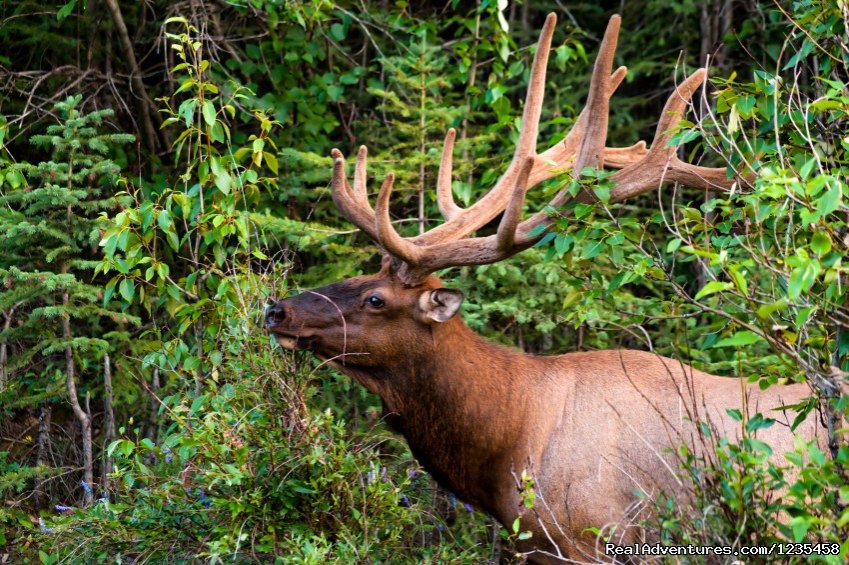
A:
<point x="245" y="472"/>
<point x="182" y="253"/>
<point x="48" y="229"/>
<point x="53" y="311"/>
<point x="742" y="498"/>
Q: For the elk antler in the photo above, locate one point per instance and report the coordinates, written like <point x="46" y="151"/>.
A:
<point x="449" y="244"/>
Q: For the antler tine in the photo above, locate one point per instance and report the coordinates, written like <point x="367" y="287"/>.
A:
<point x="591" y="149"/>
<point x="360" y="191"/>
<point x="356" y="209"/>
<point x="661" y="164"/>
<point x="389" y="239"/>
<point x="505" y="237"/>
<point x="444" y="196"/>
<point x="527" y="143"/>
<point x="586" y="140"/>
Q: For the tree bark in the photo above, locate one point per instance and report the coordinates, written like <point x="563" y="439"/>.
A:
<point x="43" y="449"/>
<point x="109" y="416"/>
<point x="153" y="423"/>
<point x="4" y="352"/>
<point x="82" y="417"/>
<point x="143" y="100"/>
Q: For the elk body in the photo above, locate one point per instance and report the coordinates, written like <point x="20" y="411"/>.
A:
<point x="589" y="428"/>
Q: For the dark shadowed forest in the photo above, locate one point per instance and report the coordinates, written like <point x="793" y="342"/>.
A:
<point x="165" y="174"/>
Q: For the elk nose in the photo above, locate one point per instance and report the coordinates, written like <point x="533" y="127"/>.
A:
<point x="274" y="314"/>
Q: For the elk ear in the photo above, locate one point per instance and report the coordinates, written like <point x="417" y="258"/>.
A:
<point x="439" y="305"/>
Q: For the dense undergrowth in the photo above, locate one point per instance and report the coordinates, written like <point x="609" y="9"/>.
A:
<point x="145" y="416"/>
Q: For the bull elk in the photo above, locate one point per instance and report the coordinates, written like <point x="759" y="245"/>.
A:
<point x="590" y="427"/>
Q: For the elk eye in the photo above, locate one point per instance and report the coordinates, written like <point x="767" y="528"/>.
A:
<point x="375" y="301"/>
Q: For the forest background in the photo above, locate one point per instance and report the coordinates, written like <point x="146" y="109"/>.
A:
<point x="164" y="171"/>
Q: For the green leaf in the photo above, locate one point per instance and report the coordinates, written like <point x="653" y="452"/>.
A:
<point x="223" y="182"/>
<point x="337" y="30"/>
<point x="741" y="338"/>
<point x="563" y="242"/>
<point x="820" y="243"/>
<point x="673" y="245"/>
<point x="208" y="113"/>
<point x="800" y="526"/>
<point x="271" y="161"/>
<point x="758" y="422"/>
<point x="712" y="288"/>
<point x="164" y="220"/>
<point x="766" y="310"/>
<point x="187" y="110"/>
<point x="802" y="278"/>
<point x="66" y="10"/>
<point x="830" y="201"/>
<point x="593" y="249"/>
<point x="127" y="289"/>
<point x="739" y="280"/>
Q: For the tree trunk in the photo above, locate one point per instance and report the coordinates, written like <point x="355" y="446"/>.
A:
<point x="82" y="417"/>
<point x="43" y="449"/>
<point x="109" y="416"/>
<point x="4" y="352"/>
<point x="144" y="102"/>
<point x="153" y="423"/>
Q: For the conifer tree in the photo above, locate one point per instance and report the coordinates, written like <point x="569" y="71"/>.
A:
<point x="55" y="333"/>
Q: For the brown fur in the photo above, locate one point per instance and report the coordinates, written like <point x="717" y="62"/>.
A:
<point x="591" y="428"/>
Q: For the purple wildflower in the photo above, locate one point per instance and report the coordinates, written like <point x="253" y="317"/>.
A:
<point x="452" y="499"/>
<point x="469" y="508"/>
<point x="412" y="473"/>
<point x="60" y="508"/>
<point x="405" y="501"/>
<point x="203" y="498"/>
<point x="168" y="455"/>
<point x="86" y="488"/>
<point x="44" y="527"/>
<point x="370" y="477"/>
<point x="383" y="477"/>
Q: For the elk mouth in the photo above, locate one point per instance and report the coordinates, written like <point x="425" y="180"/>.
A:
<point x="295" y="342"/>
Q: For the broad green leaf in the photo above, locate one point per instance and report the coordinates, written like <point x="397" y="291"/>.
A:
<point x="820" y="243"/>
<point x="163" y="219"/>
<point x="127" y="289"/>
<point x="830" y="200"/>
<point x="66" y="10"/>
<point x="712" y="288"/>
<point x="739" y="339"/>
<point x="673" y="245"/>
<point x="735" y="414"/>
<point x="739" y="280"/>
<point x="223" y="182"/>
<point x="802" y="278"/>
<point x="208" y="113"/>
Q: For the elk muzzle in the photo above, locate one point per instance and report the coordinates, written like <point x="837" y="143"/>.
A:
<point x="279" y="321"/>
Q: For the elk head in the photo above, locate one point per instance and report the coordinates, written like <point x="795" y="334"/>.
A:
<point x="340" y="321"/>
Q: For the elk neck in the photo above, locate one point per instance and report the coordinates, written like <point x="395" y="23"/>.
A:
<point x="461" y="403"/>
